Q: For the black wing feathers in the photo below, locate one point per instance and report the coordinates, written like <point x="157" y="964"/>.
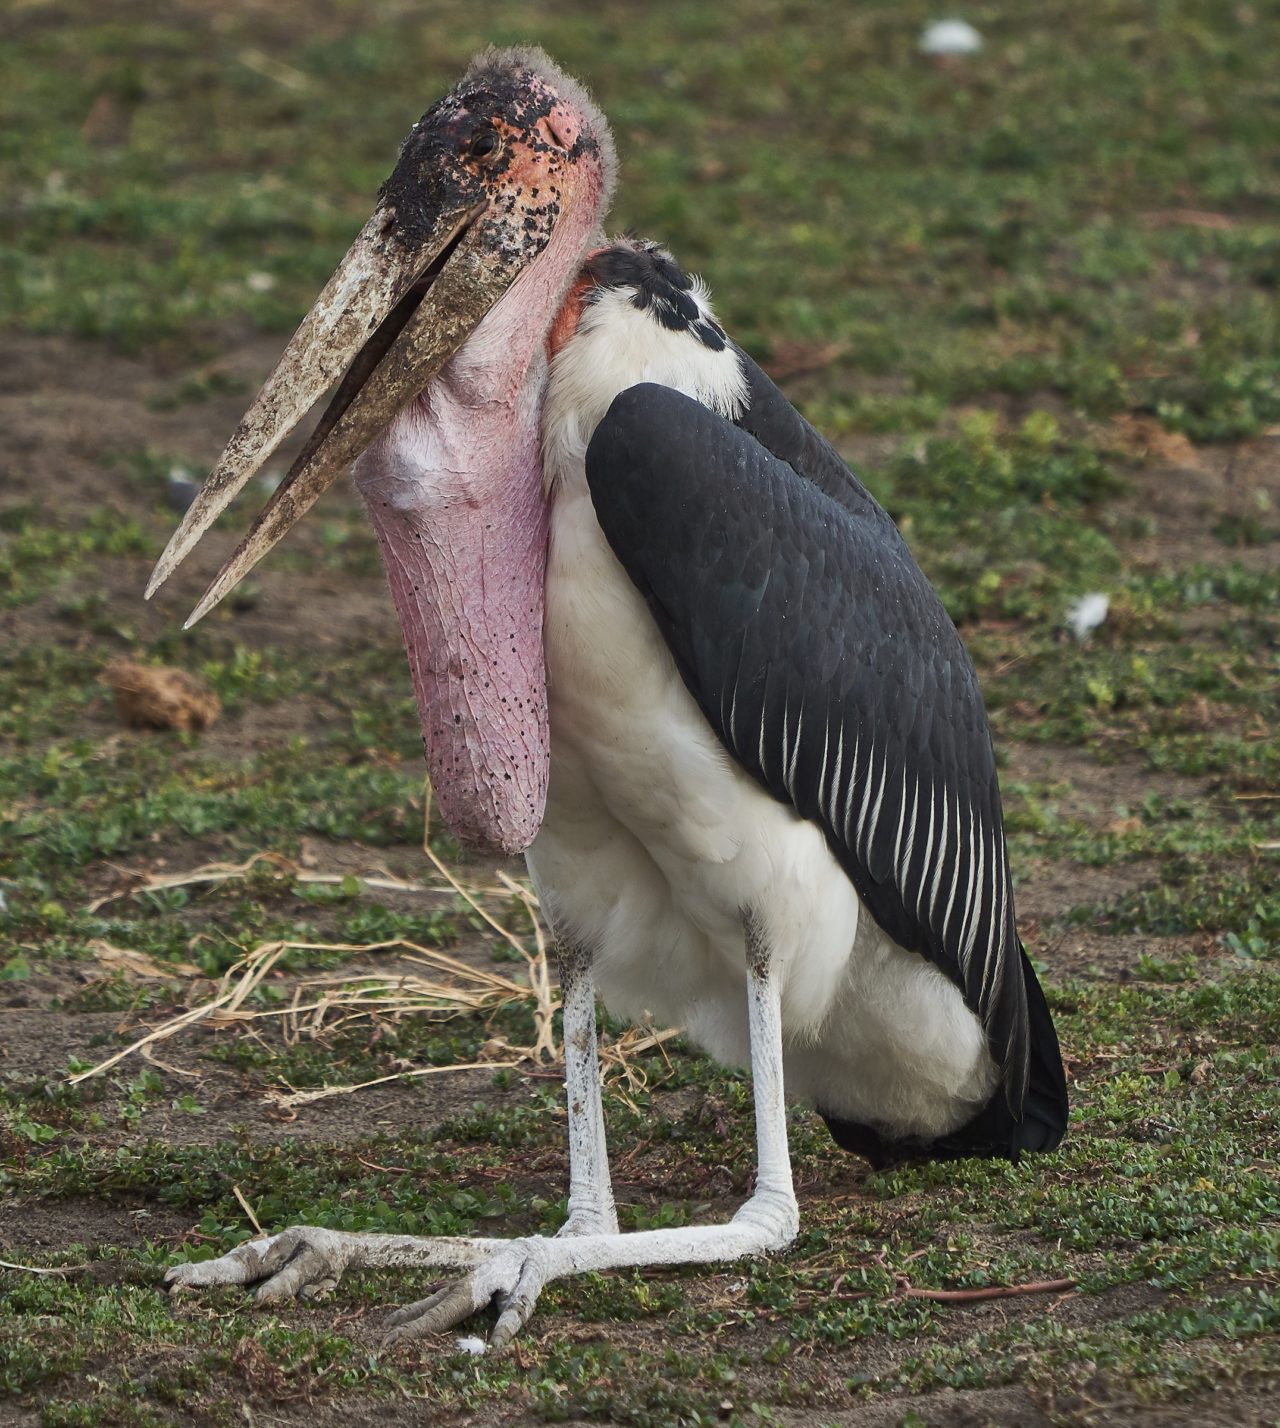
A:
<point x="827" y="666"/>
<point x="781" y="430"/>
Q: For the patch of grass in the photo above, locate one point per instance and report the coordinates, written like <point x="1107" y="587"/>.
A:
<point x="1158" y="1357"/>
<point x="1197" y="900"/>
<point x="1187" y="1209"/>
<point x="33" y="555"/>
<point x="1157" y="678"/>
<point x="1028" y="211"/>
<point x="1173" y="831"/>
<point x="997" y="515"/>
<point x="984" y="264"/>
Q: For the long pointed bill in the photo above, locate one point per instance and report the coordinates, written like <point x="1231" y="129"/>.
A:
<point x="363" y="289"/>
<point x="396" y="364"/>
<point x="374" y="319"/>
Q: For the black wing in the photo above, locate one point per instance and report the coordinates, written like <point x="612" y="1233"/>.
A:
<point x="827" y="666"/>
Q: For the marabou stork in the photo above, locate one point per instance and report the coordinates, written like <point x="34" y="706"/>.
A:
<point x="663" y="642"/>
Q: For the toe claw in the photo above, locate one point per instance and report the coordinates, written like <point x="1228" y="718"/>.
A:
<point x="321" y="1289"/>
<point x="408" y="1312"/>
<point x="509" y="1324"/>
<point x="446" y="1308"/>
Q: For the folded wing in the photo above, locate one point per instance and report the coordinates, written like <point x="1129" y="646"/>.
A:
<point x="828" y="668"/>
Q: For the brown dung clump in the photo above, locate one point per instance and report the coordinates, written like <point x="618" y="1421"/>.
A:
<point x="156" y="697"/>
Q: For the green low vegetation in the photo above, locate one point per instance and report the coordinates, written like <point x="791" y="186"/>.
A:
<point x="1033" y="296"/>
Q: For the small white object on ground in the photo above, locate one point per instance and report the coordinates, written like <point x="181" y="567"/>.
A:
<point x="471" y="1346"/>
<point x="950" y="37"/>
<point x="1087" y="613"/>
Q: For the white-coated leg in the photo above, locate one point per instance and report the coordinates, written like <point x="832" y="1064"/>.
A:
<point x="768" y="1221"/>
<point x="774" y="1187"/>
<point x="591" y="1207"/>
<point x="513" y="1272"/>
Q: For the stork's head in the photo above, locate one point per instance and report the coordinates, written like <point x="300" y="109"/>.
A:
<point x="436" y="320"/>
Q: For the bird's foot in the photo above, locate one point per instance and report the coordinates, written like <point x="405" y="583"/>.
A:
<point x="307" y="1261"/>
<point x="514" y="1277"/>
<point x="511" y="1280"/>
<point x="303" y="1262"/>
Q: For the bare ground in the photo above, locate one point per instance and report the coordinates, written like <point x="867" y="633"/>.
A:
<point x="63" y="406"/>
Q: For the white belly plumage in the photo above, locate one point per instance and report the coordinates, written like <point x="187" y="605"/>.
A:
<point x="655" y="842"/>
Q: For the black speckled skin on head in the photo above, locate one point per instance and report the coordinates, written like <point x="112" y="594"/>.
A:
<point x="437" y="166"/>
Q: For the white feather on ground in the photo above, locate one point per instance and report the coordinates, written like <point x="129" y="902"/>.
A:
<point x="950" y="37"/>
<point x="1085" y="614"/>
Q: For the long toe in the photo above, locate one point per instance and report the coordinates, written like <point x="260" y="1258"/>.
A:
<point x="518" y="1306"/>
<point x="408" y="1312"/>
<point x="446" y="1308"/>
<point x="241" y="1265"/>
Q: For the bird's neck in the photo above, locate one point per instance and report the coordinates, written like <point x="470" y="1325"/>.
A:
<point x="454" y="489"/>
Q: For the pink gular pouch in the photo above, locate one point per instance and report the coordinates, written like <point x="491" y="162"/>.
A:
<point x="455" y="496"/>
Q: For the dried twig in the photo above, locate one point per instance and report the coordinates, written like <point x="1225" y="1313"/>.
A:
<point x="1188" y="218"/>
<point x="973" y="1296"/>
<point x="37" y="1269"/>
<point x="230" y="997"/>
<point x="384" y="1169"/>
<point x="216" y="873"/>
<point x="539" y="964"/>
<point x="152" y="1060"/>
<point x="617" y="1058"/>
<point x="363" y="996"/>
<point x="447" y="986"/>
<point x="275" y="70"/>
<point x="322" y="1093"/>
<point x="248" y="1209"/>
<point x="139" y="964"/>
<point x="469" y="898"/>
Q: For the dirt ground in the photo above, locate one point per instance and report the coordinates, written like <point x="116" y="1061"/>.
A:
<point x="62" y="405"/>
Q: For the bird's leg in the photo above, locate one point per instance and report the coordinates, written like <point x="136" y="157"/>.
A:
<point x="774" y="1189"/>
<point x="591" y="1209"/>
<point x="768" y="1220"/>
<point x="308" y="1260"/>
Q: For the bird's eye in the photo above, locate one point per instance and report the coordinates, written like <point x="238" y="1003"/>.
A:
<point x="485" y="145"/>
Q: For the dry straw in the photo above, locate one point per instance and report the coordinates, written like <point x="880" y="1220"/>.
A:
<point x="438" y="985"/>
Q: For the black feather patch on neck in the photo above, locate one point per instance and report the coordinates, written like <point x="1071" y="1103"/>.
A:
<point x="659" y="286"/>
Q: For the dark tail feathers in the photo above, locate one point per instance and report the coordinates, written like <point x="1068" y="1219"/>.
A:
<point x="993" y="1133"/>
